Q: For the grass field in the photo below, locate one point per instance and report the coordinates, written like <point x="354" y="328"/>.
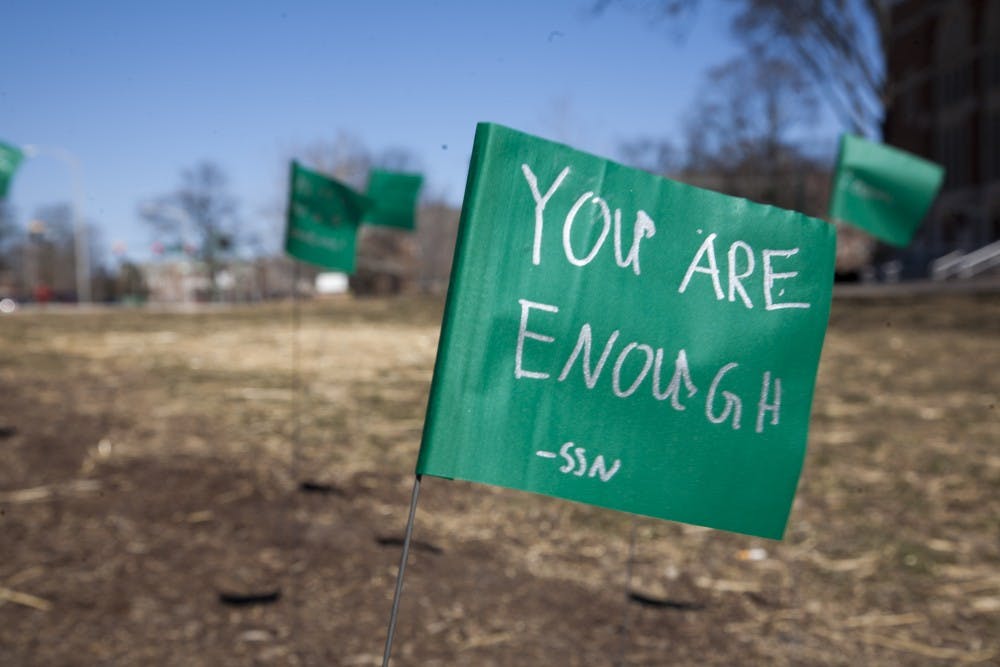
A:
<point x="148" y="469"/>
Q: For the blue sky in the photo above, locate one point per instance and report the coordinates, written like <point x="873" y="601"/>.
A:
<point x="138" y="91"/>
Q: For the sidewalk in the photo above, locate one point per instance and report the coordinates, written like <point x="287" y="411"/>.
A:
<point x="984" y="285"/>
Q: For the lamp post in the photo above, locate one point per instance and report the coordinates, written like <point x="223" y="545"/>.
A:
<point x="81" y="246"/>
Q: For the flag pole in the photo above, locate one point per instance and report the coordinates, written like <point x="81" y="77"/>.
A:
<point x="296" y="316"/>
<point x="626" y="613"/>
<point x="402" y="570"/>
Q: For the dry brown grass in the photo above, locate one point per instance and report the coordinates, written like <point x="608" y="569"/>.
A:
<point x="892" y="555"/>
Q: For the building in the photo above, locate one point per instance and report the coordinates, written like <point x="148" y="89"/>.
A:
<point x="182" y="280"/>
<point x="943" y="72"/>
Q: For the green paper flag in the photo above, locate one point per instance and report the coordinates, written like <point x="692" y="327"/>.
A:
<point x="883" y="190"/>
<point x="620" y="339"/>
<point x="323" y="219"/>
<point x="10" y="158"/>
<point x="394" y="197"/>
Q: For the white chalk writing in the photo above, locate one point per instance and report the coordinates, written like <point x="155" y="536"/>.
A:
<point x="643" y="228"/>
<point x="706" y="252"/>
<point x="636" y="361"/>
<point x="576" y="462"/>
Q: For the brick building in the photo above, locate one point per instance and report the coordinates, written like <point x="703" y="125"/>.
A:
<point x="944" y="86"/>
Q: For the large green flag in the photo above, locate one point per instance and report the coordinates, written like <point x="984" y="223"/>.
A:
<point x="620" y="339"/>
<point x="883" y="190"/>
<point x="394" y="197"/>
<point x="323" y="219"/>
<point x="10" y="158"/>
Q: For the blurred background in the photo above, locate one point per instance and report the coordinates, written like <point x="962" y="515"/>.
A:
<point x="158" y="138"/>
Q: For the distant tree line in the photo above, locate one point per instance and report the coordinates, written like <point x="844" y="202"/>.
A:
<point x="749" y="131"/>
<point x="836" y="47"/>
<point x="200" y="221"/>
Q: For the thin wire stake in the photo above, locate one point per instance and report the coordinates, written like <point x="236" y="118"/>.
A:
<point x="295" y="371"/>
<point x="626" y="614"/>
<point x="402" y="570"/>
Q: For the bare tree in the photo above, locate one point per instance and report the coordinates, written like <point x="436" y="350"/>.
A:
<point x="740" y="130"/>
<point x="751" y="106"/>
<point x="203" y="207"/>
<point x="346" y="159"/>
<point x="657" y="156"/>
<point x="349" y="160"/>
<point x="839" y="44"/>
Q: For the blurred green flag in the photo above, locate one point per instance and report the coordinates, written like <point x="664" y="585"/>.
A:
<point x="10" y="158"/>
<point x="323" y="219"/>
<point x="883" y="190"/>
<point x="394" y="197"/>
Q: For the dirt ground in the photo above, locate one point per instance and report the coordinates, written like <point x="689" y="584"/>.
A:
<point x="150" y="510"/>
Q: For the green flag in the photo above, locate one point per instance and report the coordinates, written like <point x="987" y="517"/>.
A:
<point x="883" y="190"/>
<point x="620" y="339"/>
<point x="323" y="219"/>
<point x="10" y="158"/>
<point x="394" y="197"/>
